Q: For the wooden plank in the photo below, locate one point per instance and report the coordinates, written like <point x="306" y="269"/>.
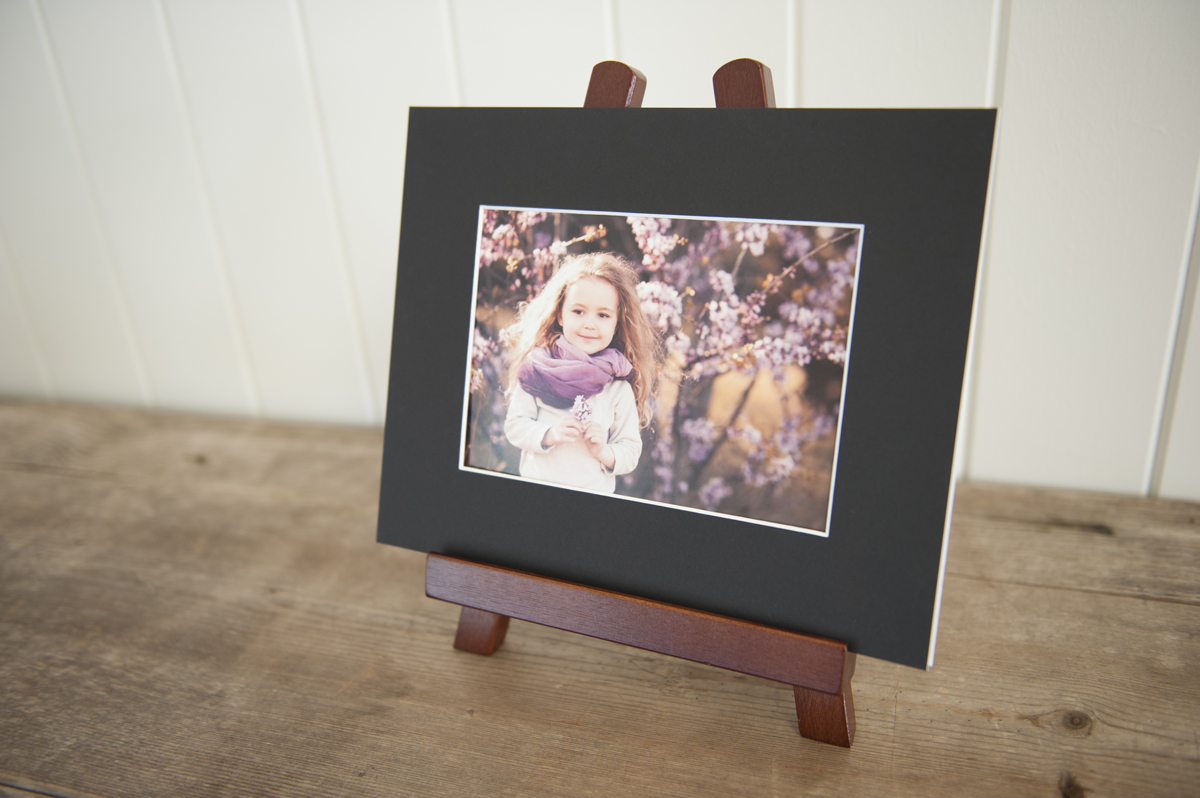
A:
<point x="335" y="463"/>
<point x="1097" y="543"/>
<point x="21" y="788"/>
<point x="240" y="632"/>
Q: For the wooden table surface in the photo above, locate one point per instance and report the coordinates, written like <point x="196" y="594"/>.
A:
<point x="195" y="606"/>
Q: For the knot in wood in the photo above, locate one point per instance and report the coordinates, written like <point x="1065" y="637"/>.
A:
<point x="1076" y="721"/>
<point x="1069" y="786"/>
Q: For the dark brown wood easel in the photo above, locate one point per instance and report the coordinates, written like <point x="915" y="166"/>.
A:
<point x="818" y="669"/>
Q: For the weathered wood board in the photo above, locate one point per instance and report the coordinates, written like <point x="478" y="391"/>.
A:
<point x="196" y="606"/>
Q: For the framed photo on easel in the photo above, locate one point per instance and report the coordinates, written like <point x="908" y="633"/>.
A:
<point x="808" y="278"/>
<point x="743" y="325"/>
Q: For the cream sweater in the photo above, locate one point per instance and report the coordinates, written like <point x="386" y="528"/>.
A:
<point x="614" y="409"/>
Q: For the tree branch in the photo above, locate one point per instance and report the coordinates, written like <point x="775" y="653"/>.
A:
<point x="724" y="436"/>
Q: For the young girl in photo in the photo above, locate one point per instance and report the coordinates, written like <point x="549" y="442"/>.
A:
<point x="584" y="369"/>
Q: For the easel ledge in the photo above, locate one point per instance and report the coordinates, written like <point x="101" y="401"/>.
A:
<point x="818" y="669"/>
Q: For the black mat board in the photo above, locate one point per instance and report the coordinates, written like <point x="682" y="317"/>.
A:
<point x="916" y="180"/>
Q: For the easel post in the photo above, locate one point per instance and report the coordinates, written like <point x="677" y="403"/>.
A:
<point x="818" y="669"/>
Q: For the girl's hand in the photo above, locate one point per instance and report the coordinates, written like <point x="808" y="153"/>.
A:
<point x="568" y="430"/>
<point x="596" y="439"/>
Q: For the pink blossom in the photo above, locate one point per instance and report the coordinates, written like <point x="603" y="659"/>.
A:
<point x="582" y="410"/>
<point x="651" y="236"/>
<point x="753" y="237"/>
<point x="714" y="492"/>
<point x="701" y="433"/>
<point x="661" y="304"/>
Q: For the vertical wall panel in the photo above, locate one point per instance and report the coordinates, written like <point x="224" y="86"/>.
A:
<point x="1098" y="151"/>
<point x="248" y="91"/>
<point x="371" y="61"/>
<point x="878" y="53"/>
<point x="116" y="72"/>
<point x="53" y="233"/>
<point x="1181" y="460"/>
<point x="20" y="374"/>
<point x="680" y="45"/>
<point x="526" y="52"/>
<point x="1181" y="473"/>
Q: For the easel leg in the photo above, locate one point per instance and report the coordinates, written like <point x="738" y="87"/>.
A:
<point x="809" y="664"/>
<point x="824" y="717"/>
<point x="828" y="717"/>
<point x="479" y="631"/>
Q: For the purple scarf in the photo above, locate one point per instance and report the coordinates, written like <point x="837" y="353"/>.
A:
<point x="558" y="373"/>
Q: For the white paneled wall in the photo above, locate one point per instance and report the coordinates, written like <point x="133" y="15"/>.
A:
<point x="530" y="53"/>
<point x="246" y="79"/>
<point x="199" y="199"/>
<point x="365" y="59"/>
<point x="140" y="161"/>
<point x="22" y="367"/>
<point x="881" y="54"/>
<point x="1095" y="181"/>
<point x="59" y="253"/>
<point x="678" y="46"/>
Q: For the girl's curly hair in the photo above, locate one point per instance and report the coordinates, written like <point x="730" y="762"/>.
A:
<point x="537" y="322"/>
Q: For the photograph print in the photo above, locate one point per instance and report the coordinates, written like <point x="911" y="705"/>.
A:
<point x="691" y="362"/>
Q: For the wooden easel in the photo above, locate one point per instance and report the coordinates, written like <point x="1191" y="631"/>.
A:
<point x="818" y="669"/>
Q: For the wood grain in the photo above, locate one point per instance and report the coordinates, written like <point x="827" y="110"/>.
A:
<point x="615" y="85"/>
<point x="479" y="631"/>
<point x="744" y="83"/>
<point x="176" y="627"/>
<point x="828" y="717"/>
<point x="1092" y="542"/>
<point x="825" y="717"/>
<point x="813" y="662"/>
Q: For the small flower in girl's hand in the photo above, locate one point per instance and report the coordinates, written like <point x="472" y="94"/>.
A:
<point x="581" y="410"/>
